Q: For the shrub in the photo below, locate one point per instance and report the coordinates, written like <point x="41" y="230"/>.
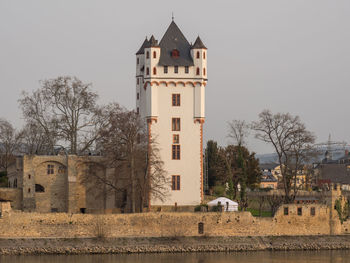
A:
<point x="201" y="208"/>
<point x="219" y="190"/>
<point x="100" y="230"/>
<point x="217" y="208"/>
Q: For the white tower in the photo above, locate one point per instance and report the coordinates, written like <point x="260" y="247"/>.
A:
<point x="170" y="85"/>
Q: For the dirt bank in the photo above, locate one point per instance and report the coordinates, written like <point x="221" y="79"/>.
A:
<point x="176" y="244"/>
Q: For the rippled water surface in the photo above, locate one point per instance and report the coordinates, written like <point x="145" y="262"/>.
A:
<point x="339" y="256"/>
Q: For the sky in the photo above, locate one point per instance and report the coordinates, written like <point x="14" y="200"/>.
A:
<point x="283" y="55"/>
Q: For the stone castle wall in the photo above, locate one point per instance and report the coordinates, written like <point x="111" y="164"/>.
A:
<point x="14" y="195"/>
<point x="69" y="187"/>
<point x="21" y="224"/>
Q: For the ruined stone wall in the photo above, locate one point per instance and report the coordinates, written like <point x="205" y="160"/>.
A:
<point x="91" y="193"/>
<point x="35" y="172"/>
<point x="5" y="208"/>
<point x="168" y="224"/>
<point x="14" y="195"/>
<point x="14" y="172"/>
<point x="68" y="187"/>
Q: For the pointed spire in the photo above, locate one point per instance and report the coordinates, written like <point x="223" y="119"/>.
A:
<point x="152" y="42"/>
<point x="141" y="50"/>
<point x="198" y="43"/>
<point x="172" y="16"/>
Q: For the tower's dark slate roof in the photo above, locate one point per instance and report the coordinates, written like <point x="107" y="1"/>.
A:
<point x="198" y="43"/>
<point x="152" y="42"/>
<point x="141" y="50"/>
<point x="174" y="39"/>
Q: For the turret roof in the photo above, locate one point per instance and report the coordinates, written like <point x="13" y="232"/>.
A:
<point x="141" y="50"/>
<point x="174" y="39"/>
<point x="198" y="43"/>
<point x="152" y="42"/>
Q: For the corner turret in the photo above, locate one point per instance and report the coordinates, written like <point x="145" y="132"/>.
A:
<point x="199" y="55"/>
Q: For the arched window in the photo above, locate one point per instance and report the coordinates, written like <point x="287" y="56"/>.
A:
<point x="29" y="176"/>
<point x="154" y="71"/>
<point x="204" y="55"/>
<point x="175" y="53"/>
<point x="15" y="183"/>
<point x="197" y="71"/>
<point x="147" y="54"/>
<point x="154" y="54"/>
<point x="147" y="71"/>
<point x="138" y="61"/>
<point x="198" y="55"/>
<point x="39" y="188"/>
<point x="204" y="71"/>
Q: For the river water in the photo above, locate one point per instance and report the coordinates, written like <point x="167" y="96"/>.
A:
<point x="336" y="256"/>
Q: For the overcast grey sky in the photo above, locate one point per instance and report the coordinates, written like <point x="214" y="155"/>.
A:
<point x="287" y="56"/>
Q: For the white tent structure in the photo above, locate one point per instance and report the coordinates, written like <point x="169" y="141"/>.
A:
<point x="227" y="204"/>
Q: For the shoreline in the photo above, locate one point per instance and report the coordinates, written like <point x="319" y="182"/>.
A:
<point x="127" y="245"/>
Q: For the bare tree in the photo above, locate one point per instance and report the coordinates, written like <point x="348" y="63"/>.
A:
<point x="292" y="143"/>
<point x="35" y="141"/>
<point x="261" y="201"/>
<point x="120" y="142"/>
<point x="10" y="141"/>
<point x="65" y="108"/>
<point x="125" y="147"/>
<point x="274" y="201"/>
<point x="153" y="181"/>
<point x="238" y="131"/>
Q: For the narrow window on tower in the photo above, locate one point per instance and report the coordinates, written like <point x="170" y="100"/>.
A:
<point x="147" y="71"/>
<point x="176" y="124"/>
<point x="176" y="69"/>
<point x="186" y="69"/>
<point x="138" y="61"/>
<point x="138" y="81"/>
<point x="176" y="139"/>
<point x="154" y="54"/>
<point x="204" y="71"/>
<point x="204" y="55"/>
<point x="198" y="55"/>
<point x="197" y="71"/>
<point x="137" y="110"/>
<point x="165" y="69"/>
<point x="175" y="182"/>
<point x="147" y="54"/>
<point x="176" y="100"/>
<point x="176" y="152"/>
<point x="138" y="96"/>
<point x="154" y="71"/>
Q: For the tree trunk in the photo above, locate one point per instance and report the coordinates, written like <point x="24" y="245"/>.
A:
<point x="132" y="171"/>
